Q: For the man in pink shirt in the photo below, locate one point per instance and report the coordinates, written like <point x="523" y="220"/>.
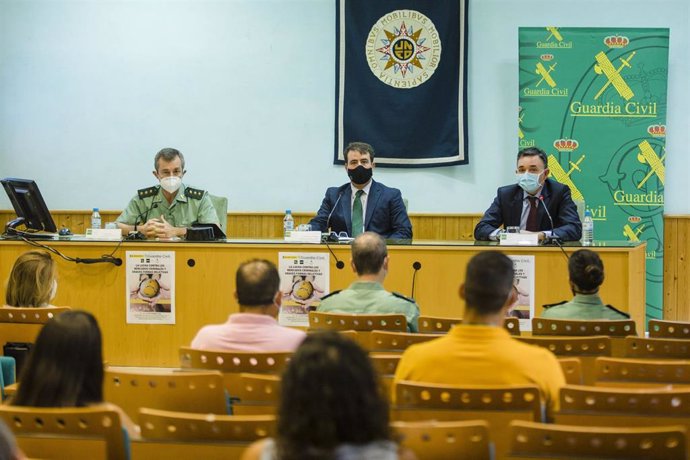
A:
<point x="255" y="327"/>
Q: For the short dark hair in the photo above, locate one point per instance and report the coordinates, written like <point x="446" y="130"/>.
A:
<point x="586" y="270"/>
<point x="368" y="253"/>
<point x="168" y="154"/>
<point x="65" y="367"/>
<point x="361" y="147"/>
<point x="330" y="395"/>
<point x="488" y="281"/>
<point x="257" y="282"/>
<point x="534" y="151"/>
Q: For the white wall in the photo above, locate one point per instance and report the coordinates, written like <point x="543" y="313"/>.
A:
<point x="90" y="90"/>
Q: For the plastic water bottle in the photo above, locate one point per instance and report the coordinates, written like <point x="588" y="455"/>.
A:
<point x="588" y="229"/>
<point x="288" y="223"/>
<point x="95" y="219"/>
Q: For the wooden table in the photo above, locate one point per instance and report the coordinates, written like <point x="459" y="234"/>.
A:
<point x="205" y="282"/>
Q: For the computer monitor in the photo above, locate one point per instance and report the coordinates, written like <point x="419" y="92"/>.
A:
<point x="29" y="205"/>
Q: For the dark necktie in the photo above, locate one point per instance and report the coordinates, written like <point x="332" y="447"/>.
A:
<point x="532" y="222"/>
<point x="357" y="214"/>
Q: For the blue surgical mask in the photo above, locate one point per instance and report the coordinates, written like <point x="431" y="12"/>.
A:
<point x="528" y="181"/>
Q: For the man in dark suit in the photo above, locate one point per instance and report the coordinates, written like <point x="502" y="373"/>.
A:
<point x="524" y="204"/>
<point x="363" y="204"/>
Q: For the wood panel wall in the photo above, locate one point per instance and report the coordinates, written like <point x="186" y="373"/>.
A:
<point x="267" y="225"/>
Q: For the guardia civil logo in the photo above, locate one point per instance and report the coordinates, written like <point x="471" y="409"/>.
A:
<point x="403" y="49"/>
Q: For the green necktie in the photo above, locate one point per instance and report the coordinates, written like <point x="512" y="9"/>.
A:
<point x="357" y="214"/>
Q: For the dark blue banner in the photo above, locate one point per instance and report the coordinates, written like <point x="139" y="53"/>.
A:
<point x="401" y="71"/>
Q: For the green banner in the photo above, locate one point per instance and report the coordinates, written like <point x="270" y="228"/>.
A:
<point x="595" y="100"/>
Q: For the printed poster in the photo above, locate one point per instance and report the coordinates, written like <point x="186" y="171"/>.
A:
<point x="304" y="280"/>
<point x="150" y="287"/>
<point x="523" y="309"/>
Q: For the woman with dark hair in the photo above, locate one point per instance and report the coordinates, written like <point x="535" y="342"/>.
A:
<point x="586" y="271"/>
<point x="331" y="407"/>
<point x="32" y="281"/>
<point x="65" y="367"/>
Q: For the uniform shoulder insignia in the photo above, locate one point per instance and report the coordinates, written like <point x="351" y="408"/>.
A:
<point x="549" y="305"/>
<point x="329" y="294"/>
<point x="195" y="193"/>
<point x="147" y="192"/>
<point x="400" y="296"/>
<point x="611" y="307"/>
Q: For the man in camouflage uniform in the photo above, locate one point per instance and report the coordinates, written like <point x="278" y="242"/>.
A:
<point x="167" y="209"/>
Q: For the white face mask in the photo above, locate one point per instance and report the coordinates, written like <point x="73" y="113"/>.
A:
<point x="171" y="183"/>
<point x="53" y="292"/>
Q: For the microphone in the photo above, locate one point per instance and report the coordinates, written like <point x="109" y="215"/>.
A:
<point x="416" y="266"/>
<point x="553" y="238"/>
<point x="339" y="264"/>
<point x="335" y="205"/>
<point x="138" y="235"/>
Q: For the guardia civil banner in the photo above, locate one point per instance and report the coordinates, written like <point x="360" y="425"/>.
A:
<point x="401" y="80"/>
<point x="595" y="100"/>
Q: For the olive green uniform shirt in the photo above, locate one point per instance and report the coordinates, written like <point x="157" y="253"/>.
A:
<point x="584" y="306"/>
<point x="372" y="299"/>
<point x="189" y="206"/>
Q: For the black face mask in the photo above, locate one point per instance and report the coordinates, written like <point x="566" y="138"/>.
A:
<point x="360" y="175"/>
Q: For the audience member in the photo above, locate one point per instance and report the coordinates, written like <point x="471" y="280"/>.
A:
<point x="367" y="295"/>
<point x="255" y="327"/>
<point x="480" y="351"/>
<point x="32" y="281"/>
<point x="65" y="368"/>
<point x="586" y="271"/>
<point x="331" y="406"/>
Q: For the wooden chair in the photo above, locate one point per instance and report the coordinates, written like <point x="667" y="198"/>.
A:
<point x="257" y="394"/>
<point x="67" y="433"/>
<point x="497" y="404"/>
<point x="180" y="391"/>
<point x="662" y="329"/>
<point x="180" y="435"/>
<point x="642" y="373"/>
<point x="638" y="347"/>
<point x="363" y="324"/>
<point x="385" y="365"/>
<point x="572" y="370"/>
<point x="442" y="440"/>
<point x="23" y="324"/>
<point x="232" y="363"/>
<point x="531" y="440"/>
<point x="616" y="329"/>
<point x="587" y="349"/>
<point x="586" y="405"/>
<point x="396" y="342"/>
<point x="439" y="325"/>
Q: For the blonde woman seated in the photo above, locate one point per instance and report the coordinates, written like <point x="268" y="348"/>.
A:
<point x="33" y="281"/>
<point x="586" y="272"/>
<point x="65" y="368"/>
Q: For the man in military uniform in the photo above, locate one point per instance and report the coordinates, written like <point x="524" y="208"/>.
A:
<point x="367" y="295"/>
<point x="167" y="209"/>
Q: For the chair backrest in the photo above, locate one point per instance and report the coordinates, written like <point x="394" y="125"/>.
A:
<point x="356" y="322"/>
<point x="179" y="391"/>
<point x="572" y="370"/>
<point x="220" y="204"/>
<point x="669" y="329"/>
<point x="638" y="347"/>
<point x="256" y="394"/>
<point x="181" y="435"/>
<point x="439" y="325"/>
<point x="437" y="440"/>
<point x="384" y="341"/>
<point x="641" y="372"/>
<point x="20" y="324"/>
<point x="572" y="346"/>
<point x="520" y="398"/>
<point x="67" y="433"/>
<point x="537" y="440"/>
<point x="631" y="401"/>
<point x="611" y="328"/>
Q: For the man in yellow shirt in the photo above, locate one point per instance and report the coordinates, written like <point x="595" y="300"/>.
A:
<point x="479" y="351"/>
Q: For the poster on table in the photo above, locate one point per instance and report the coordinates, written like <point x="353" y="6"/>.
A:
<point x="150" y="287"/>
<point x="595" y="100"/>
<point x="523" y="309"/>
<point x="304" y="280"/>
